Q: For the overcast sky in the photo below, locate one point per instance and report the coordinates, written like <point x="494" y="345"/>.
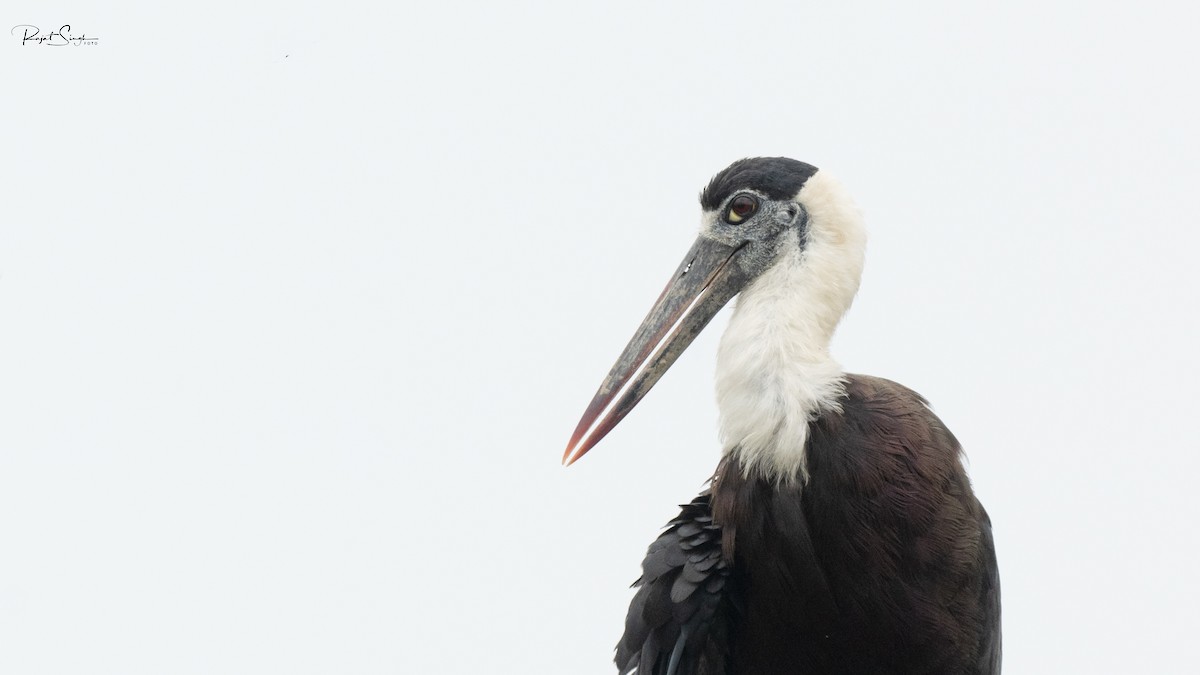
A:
<point x="300" y="302"/>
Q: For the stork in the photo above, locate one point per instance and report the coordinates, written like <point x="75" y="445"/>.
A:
<point x="839" y="533"/>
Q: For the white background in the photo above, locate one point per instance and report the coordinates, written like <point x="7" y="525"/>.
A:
<point x="299" y="305"/>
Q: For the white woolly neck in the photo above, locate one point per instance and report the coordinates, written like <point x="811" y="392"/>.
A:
<point x="774" y="371"/>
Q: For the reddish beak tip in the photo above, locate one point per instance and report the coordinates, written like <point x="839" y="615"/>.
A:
<point x="575" y="450"/>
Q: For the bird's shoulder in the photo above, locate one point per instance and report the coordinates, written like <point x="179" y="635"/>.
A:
<point x="893" y="518"/>
<point x="883" y="433"/>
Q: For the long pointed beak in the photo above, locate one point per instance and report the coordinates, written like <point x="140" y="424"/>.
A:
<point x="704" y="282"/>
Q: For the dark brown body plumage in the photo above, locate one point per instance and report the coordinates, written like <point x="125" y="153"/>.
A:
<point x="882" y="562"/>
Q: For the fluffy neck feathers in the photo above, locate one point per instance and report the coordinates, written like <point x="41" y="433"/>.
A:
<point x="774" y="371"/>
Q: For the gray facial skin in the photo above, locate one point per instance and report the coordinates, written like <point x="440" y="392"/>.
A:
<point x="762" y="236"/>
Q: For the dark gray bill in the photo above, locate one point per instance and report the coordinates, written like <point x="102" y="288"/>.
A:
<point x="704" y="282"/>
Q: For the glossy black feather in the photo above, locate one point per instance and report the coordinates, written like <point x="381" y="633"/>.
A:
<point x="678" y="619"/>
<point x="882" y="562"/>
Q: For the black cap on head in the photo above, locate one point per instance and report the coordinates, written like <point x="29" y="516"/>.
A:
<point x="775" y="177"/>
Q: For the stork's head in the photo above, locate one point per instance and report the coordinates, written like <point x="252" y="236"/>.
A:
<point x="771" y="227"/>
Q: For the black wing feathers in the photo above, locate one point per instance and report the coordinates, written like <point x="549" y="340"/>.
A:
<point x="989" y="648"/>
<point x="678" y="620"/>
<point x="881" y="562"/>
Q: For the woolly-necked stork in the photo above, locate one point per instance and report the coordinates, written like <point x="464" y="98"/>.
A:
<point x="840" y="533"/>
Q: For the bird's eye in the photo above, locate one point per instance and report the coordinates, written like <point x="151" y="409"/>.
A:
<point x="741" y="208"/>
